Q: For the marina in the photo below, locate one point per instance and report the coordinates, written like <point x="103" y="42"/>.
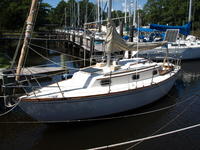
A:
<point x="99" y="84"/>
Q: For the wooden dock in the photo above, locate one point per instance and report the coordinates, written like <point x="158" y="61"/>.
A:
<point x="87" y="43"/>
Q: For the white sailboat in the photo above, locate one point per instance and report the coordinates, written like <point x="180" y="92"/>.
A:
<point x="184" y="49"/>
<point x="103" y="89"/>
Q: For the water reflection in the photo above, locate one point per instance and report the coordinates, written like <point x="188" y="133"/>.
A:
<point x="191" y="71"/>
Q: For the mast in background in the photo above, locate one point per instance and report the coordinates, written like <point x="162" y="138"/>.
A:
<point x="86" y="11"/>
<point x="99" y="16"/>
<point x="134" y="14"/>
<point x="65" y="18"/>
<point x="190" y="12"/>
<point x="109" y="19"/>
<point x="29" y="29"/>
<point x="78" y="13"/>
<point x="125" y="12"/>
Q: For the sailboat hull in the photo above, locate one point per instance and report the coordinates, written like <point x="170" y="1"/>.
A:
<point x="177" y="53"/>
<point x="95" y="106"/>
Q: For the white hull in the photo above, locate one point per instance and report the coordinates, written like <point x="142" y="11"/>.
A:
<point x="177" y="53"/>
<point x="96" y="106"/>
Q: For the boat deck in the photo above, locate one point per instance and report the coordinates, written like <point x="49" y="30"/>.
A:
<point x="41" y="70"/>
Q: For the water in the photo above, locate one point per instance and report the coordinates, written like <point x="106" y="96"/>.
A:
<point x="84" y="135"/>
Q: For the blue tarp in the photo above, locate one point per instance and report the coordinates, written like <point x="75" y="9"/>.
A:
<point x="185" y="29"/>
<point x="145" y="29"/>
<point x="126" y="37"/>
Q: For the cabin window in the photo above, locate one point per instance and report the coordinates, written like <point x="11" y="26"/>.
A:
<point x="155" y="72"/>
<point x="174" y="44"/>
<point x="105" y="82"/>
<point x="182" y="44"/>
<point x="135" y="76"/>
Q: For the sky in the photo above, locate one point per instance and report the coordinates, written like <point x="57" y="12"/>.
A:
<point x="117" y="4"/>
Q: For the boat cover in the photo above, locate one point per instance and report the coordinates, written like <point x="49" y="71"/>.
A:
<point x="185" y="29"/>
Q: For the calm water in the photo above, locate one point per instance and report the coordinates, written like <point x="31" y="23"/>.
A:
<point x="84" y="135"/>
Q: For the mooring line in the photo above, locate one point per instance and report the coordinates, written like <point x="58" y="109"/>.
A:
<point x="140" y="140"/>
<point x="167" y="124"/>
<point x="146" y="138"/>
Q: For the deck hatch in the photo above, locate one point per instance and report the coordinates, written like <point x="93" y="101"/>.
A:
<point x="91" y="70"/>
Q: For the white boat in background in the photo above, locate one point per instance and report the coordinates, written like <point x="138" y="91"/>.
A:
<point x="100" y="36"/>
<point x="184" y="49"/>
<point x="187" y="49"/>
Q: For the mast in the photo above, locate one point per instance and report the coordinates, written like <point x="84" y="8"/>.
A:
<point x="134" y="14"/>
<point x="65" y="18"/>
<point x="190" y="11"/>
<point x="109" y="9"/>
<point x="125" y="12"/>
<point x="70" y="14"/>
<point x="29" y="29"/>
<point x="99" y="13"/>
<point x="74" y="14"/>
<point x="109" y="19"/>
<point x="86" y="11"/>
<point x="78" y="9"/>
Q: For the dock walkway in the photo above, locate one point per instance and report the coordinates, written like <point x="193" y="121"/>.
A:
<point x="86" y="42"/>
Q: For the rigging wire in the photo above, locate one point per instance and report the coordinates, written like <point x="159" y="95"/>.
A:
<point x="51" y="60"/>
<point x="34" y="22"/>
<point x="58" y="52"/>
<point x="19" y="43"/>
<point x="118" y="18"/>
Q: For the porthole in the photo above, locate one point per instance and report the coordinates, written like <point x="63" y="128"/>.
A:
<point x="105" y="82"/>
<point x="155" y="72"/>
<point x="135" y="76"/>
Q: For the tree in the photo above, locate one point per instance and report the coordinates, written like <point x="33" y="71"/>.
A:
<point x="172" y="12"/>
<point x="43" y="18"/>
<point x="57" y="14"/>
<point x="14" y="13"/>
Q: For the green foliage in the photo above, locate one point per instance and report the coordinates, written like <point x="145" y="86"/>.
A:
<point x="4" y="63"/>
<point x="57" y="15"/>
<point x="14" y="13"/>
<point x="117" y="14"/>
<point x="172" y="12"/>
<point x="43" y="16"/>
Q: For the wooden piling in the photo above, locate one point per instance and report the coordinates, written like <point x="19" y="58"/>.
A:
<point x="131" y="33"/>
